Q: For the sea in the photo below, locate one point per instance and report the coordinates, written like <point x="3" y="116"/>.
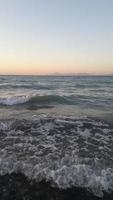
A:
<point x="56" y="137"/>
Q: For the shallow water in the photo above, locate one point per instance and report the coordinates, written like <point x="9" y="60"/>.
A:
<point x="66" y="151"/>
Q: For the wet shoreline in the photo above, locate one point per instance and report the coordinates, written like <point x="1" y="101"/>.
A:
<point x="18" y="187"/>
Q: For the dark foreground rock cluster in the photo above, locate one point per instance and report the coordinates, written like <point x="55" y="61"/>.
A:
<point x="18" y="187"/>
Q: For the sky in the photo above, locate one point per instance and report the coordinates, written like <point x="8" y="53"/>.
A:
<point x="49" y="36"/>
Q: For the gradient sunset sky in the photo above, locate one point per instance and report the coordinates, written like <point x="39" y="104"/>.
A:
<point x="48" y="36"/>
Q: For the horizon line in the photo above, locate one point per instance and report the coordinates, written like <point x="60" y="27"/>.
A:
<point x="59" y="74"/>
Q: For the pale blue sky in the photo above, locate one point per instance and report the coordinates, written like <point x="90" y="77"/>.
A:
<point x="45" y="36"/>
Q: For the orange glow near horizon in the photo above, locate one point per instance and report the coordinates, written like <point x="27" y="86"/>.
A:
<point x="49" y="65"/>
<point x="35" y="68"/>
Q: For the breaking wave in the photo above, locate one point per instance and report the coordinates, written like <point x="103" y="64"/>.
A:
<point x="16" y="100"/>
<point x="65" y="151"/>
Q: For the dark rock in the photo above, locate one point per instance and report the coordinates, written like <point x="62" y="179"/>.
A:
<point x="18" y="187"/>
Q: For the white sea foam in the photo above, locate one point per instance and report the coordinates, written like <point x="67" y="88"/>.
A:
<point x="65" y="151"/>
<point x="14" y="100"/>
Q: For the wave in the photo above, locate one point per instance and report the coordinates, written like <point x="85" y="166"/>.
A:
<point x="65" y="151"/>
<point x="34" y="100"/>
<point x="16" y="100"/>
